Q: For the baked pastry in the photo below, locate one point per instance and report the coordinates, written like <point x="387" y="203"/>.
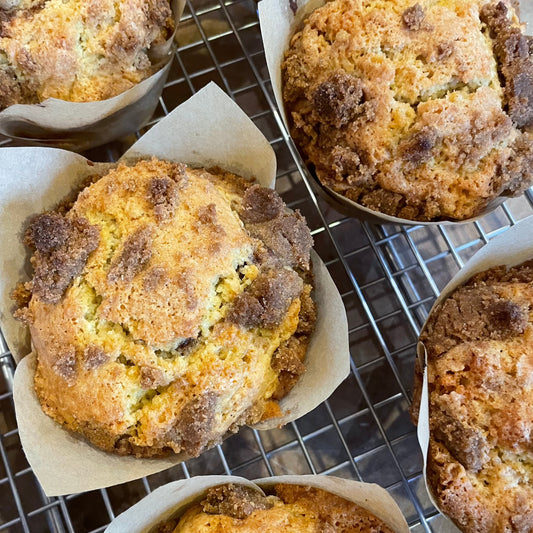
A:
<point x="479" y="344"/>
<point x="168" y="306"/>
<point x="78" y="50"/>
<point x="290" y="508"/>
<point x="419" y="110"/>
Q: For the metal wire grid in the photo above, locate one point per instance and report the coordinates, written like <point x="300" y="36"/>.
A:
<point x="388" y="276"/>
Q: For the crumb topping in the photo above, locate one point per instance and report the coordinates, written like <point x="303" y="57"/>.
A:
<point x="151" y="378"/>
<point x="419" y="148"/>
<point x="134" y="257"/>
<point x="515" y="62"/>
<point x="260" y="205"/>
<point x="196" y="423"/>
<point x="339" y="99"/>
<point x="413" y="17"/>
<point x="62" y="247"/>
<point x="154" y="277"/>
<point x="267" y="299"/>
<point x="287" y="237"/>
<point x="93" y="357"/>
<point x="474" y="314"/>
<point x="236" y="501"/>
<point x="66" y="365"/>
<point x="208" y="214"/>
<point x="163" y="195"/>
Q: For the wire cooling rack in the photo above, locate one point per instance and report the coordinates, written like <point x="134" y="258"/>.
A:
<point x="388" y="276"/>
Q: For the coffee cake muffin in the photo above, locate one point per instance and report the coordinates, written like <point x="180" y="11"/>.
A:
<point x="420" y="110"/>
<point x="479" y="344"/>
<point x="290" y="508"/>
<point x="168" y="306"/>
<point x="78" y="50"/>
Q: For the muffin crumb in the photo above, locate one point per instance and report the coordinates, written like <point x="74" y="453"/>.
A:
<point x="413" y="17"/>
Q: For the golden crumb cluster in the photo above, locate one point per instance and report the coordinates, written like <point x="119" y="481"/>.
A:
<point x="78" y="50"/>
<point x="479" y="346"/>
<point x="168" y="306"/>
<point x="417" y="109"/>
<point x="290" y="508"/>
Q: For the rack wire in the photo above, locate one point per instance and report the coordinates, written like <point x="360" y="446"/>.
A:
<point x="388" y="277"/>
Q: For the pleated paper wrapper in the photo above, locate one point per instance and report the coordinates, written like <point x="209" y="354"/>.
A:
<point x="208" y="129"/>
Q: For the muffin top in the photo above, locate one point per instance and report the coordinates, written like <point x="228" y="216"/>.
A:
<point x="168" y="305"/>
<point x="78" y="50"/>
<point x="290" y="508"/>
<point x="479" y="344"/>
<point x="417" y="110"/>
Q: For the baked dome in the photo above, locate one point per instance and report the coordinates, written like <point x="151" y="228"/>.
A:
<point x="479" y="344"/>
<point x="417" y="110"/>
<point x="290" y="508"/>
<point x="78" y="50"/>
<point x="168" y="306"/>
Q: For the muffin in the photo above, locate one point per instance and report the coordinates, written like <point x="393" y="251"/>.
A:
<point x="479" y="345"/>
<point x="78" y="50"/>
<point x="290" y="508"/>
<point x="419" y="110"/>
<point x="168" y="306"/>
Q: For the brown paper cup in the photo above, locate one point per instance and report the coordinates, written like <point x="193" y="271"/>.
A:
<point x="35" y="179"/>
<point x="278" y="24"/>
<point x="173" y="499"/>
<point x="82" y="125"/>
<point x="510" y="249"/>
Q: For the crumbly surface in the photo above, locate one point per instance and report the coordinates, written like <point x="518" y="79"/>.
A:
<point x="78" y="50"/>
<point x="291" y="508"/>
<point x="479" y="346"/>
<point x="160" y="322"/>
<point x="414" y="109"/>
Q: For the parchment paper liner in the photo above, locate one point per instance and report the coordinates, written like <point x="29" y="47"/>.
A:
<point x="174" y="498"/>
<point x="510" y="248"/>
<point x="82" y="125"/>
<point x="207" y="129"/>
<point x="278" y="24"/>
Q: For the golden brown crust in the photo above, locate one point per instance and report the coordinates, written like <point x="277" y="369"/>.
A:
<point x="141" y="310"/>
<point x="336" y="513"/>
<point x="290" y="508"/>
<point x="417" y="110"/>
<point x="78" y="50"/>
<point x="479" y="343"/>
